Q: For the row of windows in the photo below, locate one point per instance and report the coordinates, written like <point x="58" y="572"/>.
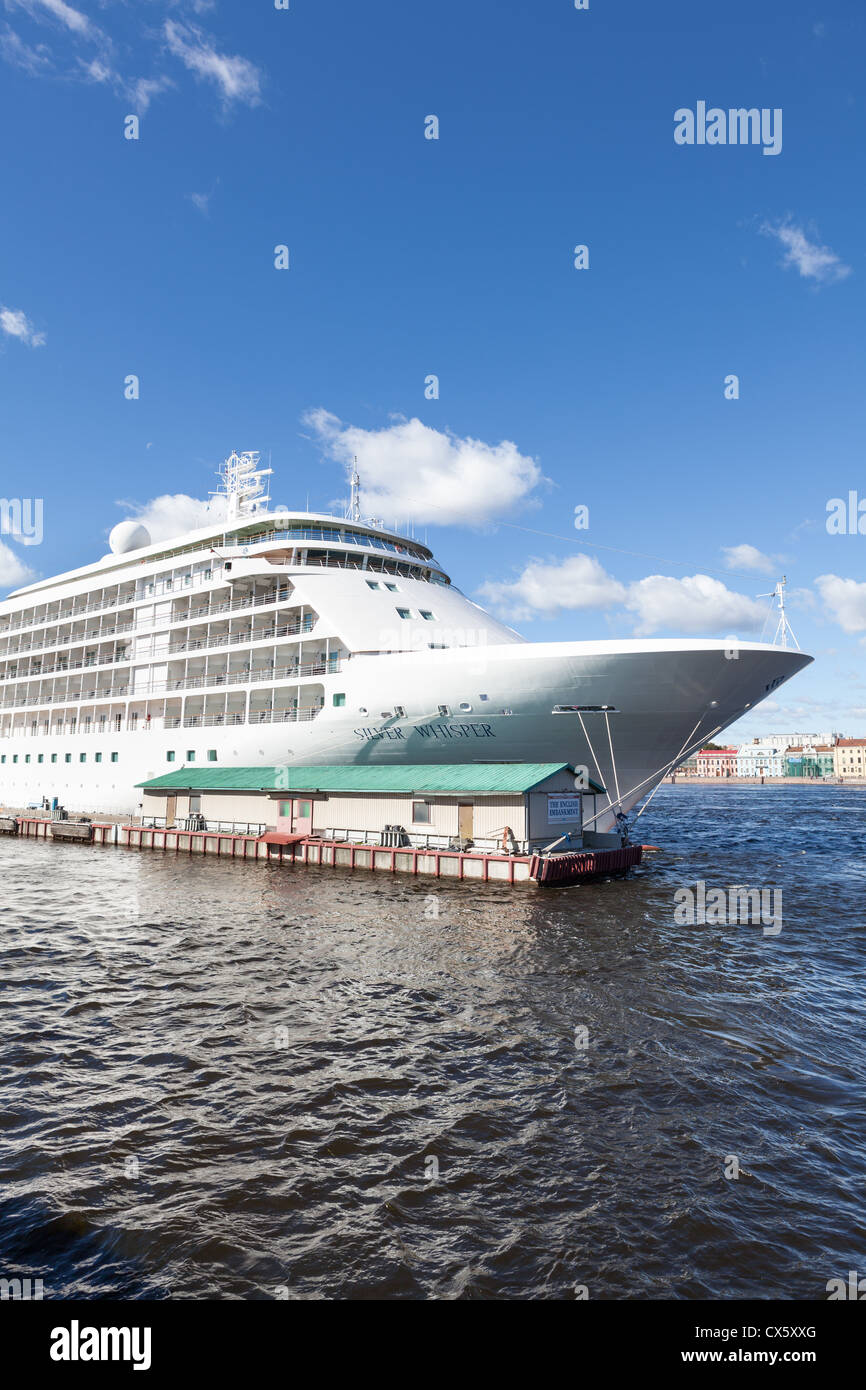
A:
<point x="171" y="756"/>
<point x="67" y="757"/>
<point x="422" y="613"/>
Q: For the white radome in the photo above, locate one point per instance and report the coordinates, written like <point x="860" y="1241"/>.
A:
<point x="128" y="535"/>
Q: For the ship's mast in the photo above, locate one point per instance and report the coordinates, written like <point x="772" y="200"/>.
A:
<point x="243" y="485"/>
<point x="354" y="512"/>
<point x="783" y="627"/>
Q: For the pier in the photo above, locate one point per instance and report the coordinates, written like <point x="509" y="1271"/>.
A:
<point x="540" y="869"/>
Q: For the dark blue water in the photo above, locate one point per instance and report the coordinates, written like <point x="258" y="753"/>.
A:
<point x="232" y="1081"/>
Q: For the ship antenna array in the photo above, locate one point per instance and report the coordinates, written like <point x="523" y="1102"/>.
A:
<point x="783" y="627"/>
<point x="242" y="484"/>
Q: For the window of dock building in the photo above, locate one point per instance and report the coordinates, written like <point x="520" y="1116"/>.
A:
<point x="339" y="700"/>
<point x="421" y="812"/>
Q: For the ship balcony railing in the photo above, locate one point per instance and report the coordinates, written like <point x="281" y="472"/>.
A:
<point x="304" y="669"/>
<point x="265" y="673"/>
<point x="75" y="639"/>
<point x="303" y="713"/>
<point x="276" y="595"/>
<point x="66" y="666"/>
<point x="229" y="639"/>
<point x="234" y="605"/>
<point x="69" y="615"/>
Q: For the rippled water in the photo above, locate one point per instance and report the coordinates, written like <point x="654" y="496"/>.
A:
<point x="223" y="1080"/>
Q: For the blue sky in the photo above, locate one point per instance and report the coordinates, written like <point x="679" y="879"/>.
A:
<point x="411" y="257"/>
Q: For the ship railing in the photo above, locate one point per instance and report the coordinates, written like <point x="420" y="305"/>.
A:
<point x="66" y="666"/>
<point x="215" y="678"/>
<point x="78" y="637"/>
<point x="264" y="716"/>
<point x="276" y="595"/>
<point x="232" y="638"/>
<point x="268" y="673"/>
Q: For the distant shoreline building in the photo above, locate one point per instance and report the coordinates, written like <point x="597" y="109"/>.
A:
<point x="760" y="759"/>
<point x="850" y="758"/>
<point x="716" y="762"/>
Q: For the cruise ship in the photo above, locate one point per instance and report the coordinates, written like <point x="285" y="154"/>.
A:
<point x="275" y="636"/>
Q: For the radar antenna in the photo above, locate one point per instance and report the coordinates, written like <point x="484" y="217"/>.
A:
<point x="243" y="486"/>
<point x="783" y="627"/>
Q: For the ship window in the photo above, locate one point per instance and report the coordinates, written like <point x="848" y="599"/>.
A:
<point x="372" y="584"/>
<point x="392" y="587"/>
<point x="427" y="616"/>
<point x="421" y="812"/>
<point x="464" y="705"/>
<point x="339" y="700"/>
<point x="211" y="755"/>
<point x="26" y="757"/>
<point x="484" y="697"/>
<point x="400" y="711"/>
<point x="67" y="758"/>
<point x="443" y="709"/>
<point x="97" y="757"/>
<point x="169" y="757"/>
<point x="404" y="612"/>
<point x="190" y="755"/>
<point x="53" y="758"/>
<point x="41" y="758"/>
<point x="2" y="758"/>
<point x="82" y="757"/>
<point x="14" y="757"/>
<point x="114" y="757"/>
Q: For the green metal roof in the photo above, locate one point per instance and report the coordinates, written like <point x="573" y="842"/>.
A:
<point x="381" y="777"/>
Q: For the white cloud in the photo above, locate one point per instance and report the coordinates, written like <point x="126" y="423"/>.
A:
<point x="15" y="324"/>
<point x="13" y="572"/>
<point x="237" y="78"/>
<point x="844" y="600"/>
<point x="693" y="606"/>
<point x="73" y="20"/>
<point x="172" y="514"/>
<point x="14" y="50"/>
<point x="747" y="557"/>
<point x="409" y="469"/>
<point x="545" y="589"/>
<point x="142" y="91"/>
<point x="812" y="262"/>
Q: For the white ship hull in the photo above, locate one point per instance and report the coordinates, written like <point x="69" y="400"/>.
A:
<point x="666" y="698"/>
